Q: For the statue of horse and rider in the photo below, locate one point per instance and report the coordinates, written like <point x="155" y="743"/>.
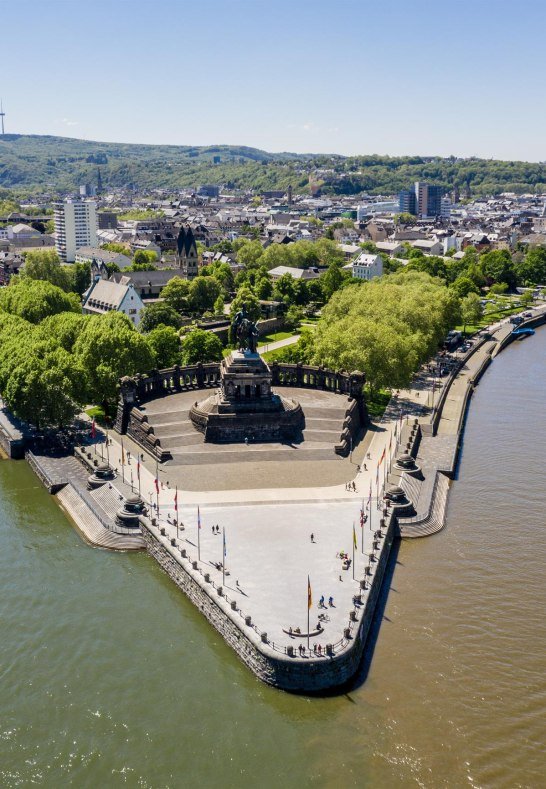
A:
<point x="245" y="331"/>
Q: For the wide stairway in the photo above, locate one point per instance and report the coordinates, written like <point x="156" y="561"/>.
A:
<point x="323" y="425"/>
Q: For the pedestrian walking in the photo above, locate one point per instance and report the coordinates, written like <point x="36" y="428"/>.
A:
<point x="312" y="537"/>
<point x="365" y="467"/>
<point x="331" y="602"/>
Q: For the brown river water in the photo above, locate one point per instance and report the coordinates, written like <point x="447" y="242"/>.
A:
<point x="109" y="677"/>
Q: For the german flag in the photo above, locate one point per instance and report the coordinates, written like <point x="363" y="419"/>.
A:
<point x="309" y="594"/>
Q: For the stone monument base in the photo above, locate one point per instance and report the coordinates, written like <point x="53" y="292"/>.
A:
<point x="245" y="407"/>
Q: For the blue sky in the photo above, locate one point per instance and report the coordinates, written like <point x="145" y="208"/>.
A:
<point x="388" y="77"/>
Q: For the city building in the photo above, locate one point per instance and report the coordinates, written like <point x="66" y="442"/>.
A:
<point x="423" y="200"/>
<point x="90" y="254"/>
<point x="75" y="227"/>
<point x="105" y="295"/>
<point x="186" y="253"/>
<point x="366" y="266"/>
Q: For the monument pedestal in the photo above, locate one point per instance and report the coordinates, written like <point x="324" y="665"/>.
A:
<point x="245" y="407"/>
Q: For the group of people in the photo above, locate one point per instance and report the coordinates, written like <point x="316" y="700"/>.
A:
<point x="317" y="649"/>
<point x="350" y="486"/>
<point x="216" y="529"/>
<point x="322" y="604"/>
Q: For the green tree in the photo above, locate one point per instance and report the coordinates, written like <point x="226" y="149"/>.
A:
<point x="201" y="346"/>
<point x="44" y="264"/>
<point x="332" y="279"/>
<point x="108" y="348"/>
<point x="497" y="266"/>
<point x="471" y="310"/>
<point x="463" y="286"/>
<point x="285" y="289"/>
<point x="158" y="314"/>
<point x="219" y="306"/>
<point x="176" y="293"/>
<point x="165" y="344"/>
<point x="294" y="317"/>
<point x="532" y="269"/>
<point x="35" y="300"/>
<point x="203" y="293"/>
<point x="246" y="296"/>
<point x="248" y="252"/>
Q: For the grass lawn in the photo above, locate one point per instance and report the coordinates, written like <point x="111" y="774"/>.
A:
<point x="377" y="402"/>
<point x="492" y="317"/>
<point x="96" y="413"/>
<point x="280" y="335"/>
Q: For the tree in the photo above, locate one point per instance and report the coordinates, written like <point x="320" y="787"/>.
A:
<point x="158" y="314"/>
<point x="332" y="279"/>
<point x="471" y="310"/>
<point x="201" y="346"/>
<point x="294" y="317"/>
<point x="248" y="252"/>
<point x="284" y="289"/>
<point x="65" y="328"/>
<point x="35" y="300"/>
<point x="44" y="264"/>
<point x="463" y="286"/>
<point x="108" y="348"/>
<point x="203" y="293"/>
<point x="165" y="344"/>
<point x="219" y="306"/>
<point x="176" y="293"/>
<point x="497" y="266"/>
<point x="532" y="269"/>
<point x="252" y="304"/>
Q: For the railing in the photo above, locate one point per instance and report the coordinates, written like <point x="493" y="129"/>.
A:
<point x="49" y="481"/>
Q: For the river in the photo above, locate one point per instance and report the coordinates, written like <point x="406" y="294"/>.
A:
<point x="109" y="677"/>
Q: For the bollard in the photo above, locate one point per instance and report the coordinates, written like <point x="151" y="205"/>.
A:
<point x="220" y="591"/>
<point x="183" y="553"/>
<point x="207" y="578"/>
<point x="290" y="651"/>
<point x="263" y="636"/>
<point x="233" y="605"/>
<point x="194" y="565"/>
<point x="347" y="632"/>
<point x="163" y="531"/>
<point x="363" y="583"/>
<point x="173" y="541"/>
<point x="329" y="649"/>
<point x="352" y="616"/>
<point x="248" y="620"/>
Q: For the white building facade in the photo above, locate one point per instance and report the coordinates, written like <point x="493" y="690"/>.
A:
<point x="366" y="266"/>
<point x="75" y="227"/>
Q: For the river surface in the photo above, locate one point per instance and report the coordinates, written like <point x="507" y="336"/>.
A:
<point x="109" y="677"/>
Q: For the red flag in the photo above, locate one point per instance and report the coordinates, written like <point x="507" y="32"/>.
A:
<point x="138" y="468"/>
<point x="93" y="428"/>
<point x="382" y="458"/>
<point x="362" y="516"/>
<point x="156" y="486"/>
<point x="370" y="496"/>
<point x="176" y="501"/>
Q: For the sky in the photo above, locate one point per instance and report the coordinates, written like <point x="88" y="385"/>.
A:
<point x="463" y="77"/>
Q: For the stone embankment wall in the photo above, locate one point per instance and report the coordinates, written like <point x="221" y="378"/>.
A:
<point x="269" y="663"/>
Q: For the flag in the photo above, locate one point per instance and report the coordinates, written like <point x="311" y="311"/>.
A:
<point x="138" y="469"/>
<point x="156" y="485"/>
<point x="362" y="515"/>
<point x="381" y="459"/>
<point x="122" y="454"/>
<point x="176" y="500"/>
<point x="354" y="537"/>
<point x="309" y="594"/>
<point x="225" y="549"/>
<point x="390" y="444"/>
<point x="198" y="518"/>
<point x="370" y="497"/>
<point x="93" y="431"/>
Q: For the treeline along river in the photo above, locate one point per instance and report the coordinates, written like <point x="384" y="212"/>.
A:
<point x="110" y="677"/>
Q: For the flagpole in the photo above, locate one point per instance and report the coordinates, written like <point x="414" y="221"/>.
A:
<point x="223" y="556"/>
<point x="176" y="510"/>
<point x="308" y="610"/>
<point x="354" y="540"/>
<point x="131" y="480"/>
<point x="362" y="524"/>
<point x="198" y="535"/>
<point x="138" y="475"/>
<point x="122" y="462"/>
<point x="107" y="450"/>
<point x="157" y="484"/>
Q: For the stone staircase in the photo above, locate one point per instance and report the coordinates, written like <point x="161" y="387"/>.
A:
<point x="432" y="520"/>
<point x="91" y="528"/>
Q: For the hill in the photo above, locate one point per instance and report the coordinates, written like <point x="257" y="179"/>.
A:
<point x="30" y="163"/>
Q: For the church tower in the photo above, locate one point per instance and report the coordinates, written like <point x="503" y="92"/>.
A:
<point x="186" y="253"/>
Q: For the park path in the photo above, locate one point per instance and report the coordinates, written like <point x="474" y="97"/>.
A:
<point x="273" y="346"/>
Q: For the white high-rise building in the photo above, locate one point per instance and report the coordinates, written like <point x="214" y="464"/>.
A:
<point x="75" y="227"/>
